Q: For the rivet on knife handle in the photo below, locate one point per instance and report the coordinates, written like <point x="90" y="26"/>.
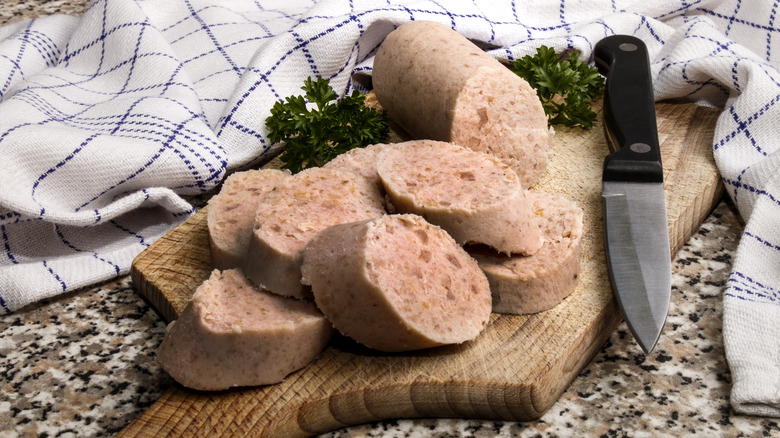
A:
<point x="636" y="233"/>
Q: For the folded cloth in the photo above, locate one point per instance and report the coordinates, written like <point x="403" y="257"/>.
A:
<point x="111" y="122"/>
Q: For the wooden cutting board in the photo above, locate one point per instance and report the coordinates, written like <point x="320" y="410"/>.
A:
<point x="515" y="370"/>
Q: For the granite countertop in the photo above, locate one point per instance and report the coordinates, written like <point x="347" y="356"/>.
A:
<point x="83" y="364"/>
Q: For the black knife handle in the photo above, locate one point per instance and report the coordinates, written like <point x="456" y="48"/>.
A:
<point x="629" y="110"/>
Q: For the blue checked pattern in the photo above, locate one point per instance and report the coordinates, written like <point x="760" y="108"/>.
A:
<point x="111" y="121"/>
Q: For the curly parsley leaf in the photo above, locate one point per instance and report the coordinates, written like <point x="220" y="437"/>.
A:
<point x="315" y="135"/>
<point x="565" y="85"/>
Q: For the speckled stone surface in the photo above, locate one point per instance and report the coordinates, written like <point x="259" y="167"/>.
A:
<point x="83" y="364"/>
<point x="15" y="10"/>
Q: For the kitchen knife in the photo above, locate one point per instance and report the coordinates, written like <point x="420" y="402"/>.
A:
<point x="635" y="227"/>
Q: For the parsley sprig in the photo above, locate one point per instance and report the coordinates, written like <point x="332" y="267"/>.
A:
<point x="565" y="85"/>
<point x="314" y="135"/>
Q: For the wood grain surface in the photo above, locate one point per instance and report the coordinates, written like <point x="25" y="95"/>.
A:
<point x="515" y="370"/>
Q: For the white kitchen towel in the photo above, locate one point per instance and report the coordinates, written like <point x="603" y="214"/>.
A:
<point x="110" y="122"/>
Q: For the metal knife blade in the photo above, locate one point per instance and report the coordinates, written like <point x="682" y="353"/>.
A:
<point x="635" y="222"/>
